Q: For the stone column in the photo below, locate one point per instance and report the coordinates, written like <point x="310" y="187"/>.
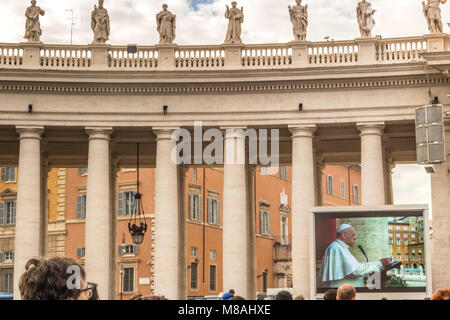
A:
<point x="251" y="216"/>
<point x="182" y="171"/>
<point x="372" y="233"/>
<point x="98" y="211"/>
<point x="167" y="221"/>
<point x="29" y="240"/>
<point x="303" y="199"/>
<point x="235" y="222"/>
<point x="440" y="194"/>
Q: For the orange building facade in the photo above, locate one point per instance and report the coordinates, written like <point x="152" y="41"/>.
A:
<point x="340" y="186"/>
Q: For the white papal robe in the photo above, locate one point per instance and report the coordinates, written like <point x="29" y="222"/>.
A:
<point x="339" y="266"/>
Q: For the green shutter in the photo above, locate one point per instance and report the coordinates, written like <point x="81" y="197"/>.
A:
<point x="120" y="203"/>
<point x="2" y="213"/>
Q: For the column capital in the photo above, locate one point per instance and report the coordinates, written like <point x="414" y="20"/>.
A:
<point x="164" y="133"/>
<point x="99" y="132"/>
<point x="302" y="130"/>
<point x="30" y="132"/>
<point x="371" y="128"/>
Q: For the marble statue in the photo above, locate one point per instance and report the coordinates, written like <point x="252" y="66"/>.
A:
<point x="166" y="22"/>
<point x="236" y="18"/>
<point x="33" y="30"/>
<point x="299" y="19"/>
<point x="100" y="23"/>
<point x="366" y="21"/>
<point x="432" y="12"/>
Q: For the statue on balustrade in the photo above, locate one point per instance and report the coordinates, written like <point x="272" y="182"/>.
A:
<point x="366" y="22"/>
<point x="166" y="22"/>
<point x="432" y="12"/>
<point x="100" y="23"/>
<point x="33" y="30"/>
<point x="299" y="19"/>
<point x="236" y="18"/>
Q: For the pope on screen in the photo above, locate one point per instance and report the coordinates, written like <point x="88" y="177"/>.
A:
<point x="339" y="266"/>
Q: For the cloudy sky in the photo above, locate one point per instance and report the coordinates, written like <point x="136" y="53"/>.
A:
<point x="203" y="22"/>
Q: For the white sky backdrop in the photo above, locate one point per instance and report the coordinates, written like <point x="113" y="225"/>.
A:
<point x="203" y="22"/>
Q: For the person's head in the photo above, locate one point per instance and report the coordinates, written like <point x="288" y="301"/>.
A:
<point x="346" y="234"/>
<point x="154" y="297"/>
<point x="443" y="294"/>
<point x="231" y="291"/>
<point x="33" y="2"/>
<point x="237" y="298"/>
<point x="283" y="295"/>
<point x="53" y="279"/>
<point x="234" y="4"/>
<point x="300" y="297"/>
<point x="94" y="295"/>
<point x="384" y="298"/>
<point x="100" y="3"/>
<point x="299" y="2"/>
<point x="330" y="294"/>
<point x="346" y="292"/>
<point x="165" y="6"/>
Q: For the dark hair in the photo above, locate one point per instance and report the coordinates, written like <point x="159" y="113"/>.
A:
<point x="330" y="294"/>
<point x="231" y="291"/>
<point x="300" y="297"/>
<point x="443" y="294"/>
<point x="46" y="279"/>
<point x="283" y="295"/>
<point x="346" y="292"/>
<point x="95" y="295"/>
<point x="237" y="298"/>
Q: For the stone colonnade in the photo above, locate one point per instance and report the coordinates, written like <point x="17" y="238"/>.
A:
<point x="239" y="257"/>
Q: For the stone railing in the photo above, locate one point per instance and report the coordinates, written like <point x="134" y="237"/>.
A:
<point x="333" y="53"/>
<point x="292" y="55"/>
<point x="145" y="58"/>
<point x="400" y="49"/>
<point x="266" y="56"/>
<point x="11" y="55"/>
<point x="65" y="57"/>
<point x="199" y="57"/>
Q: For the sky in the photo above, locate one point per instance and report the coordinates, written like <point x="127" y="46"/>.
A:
<point x="203" y="22"/>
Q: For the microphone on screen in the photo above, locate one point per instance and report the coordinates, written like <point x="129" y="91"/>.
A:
<point x="360" y="247"/>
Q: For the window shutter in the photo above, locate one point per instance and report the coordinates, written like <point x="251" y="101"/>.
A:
<point x="83" y="206"/>
<point x="191" y="206"/>
<point x="3" y="174"/>
<point x="200" y="208"/>
<point x="135" y="203"/>
<point x="261" y="222"/>
<point x="79" y="205"/>
<point x="13" y="220"/>
<point x="120" y="204"/>
<point x="218" y="212"/>
<point x="12" y="174"/>
<point x="135" y="249"/>
<point x="78" y="252"/>
<point x="210" y="211"/>
<point x="268" y="223"/>
<point x="2" y="213"/>
<point x="2" y="256"/>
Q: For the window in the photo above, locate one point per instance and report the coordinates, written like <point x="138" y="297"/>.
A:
<point x="413" y="229"/>
<point x="82" y="170"/>
<point x="413" y="236"/>
<point x="391" y="227"/>
<point x="81" y="207"/>
<point x="398" y="235"/>
<point x="81" y="252"/>
<point x="406" y="242"/>
<point x="405" y="228"/>
<point x="128" y="279"/>
<point x="8" y="213"/>
<point x="194" y="275"/>
<point x="8" y="174"/>
<point x="405" y="235"/>
<point x="284" y="230"/>
<point x="212" y="278"/>
<point x="391" y="241"/>
<point x="264" y="170"/>
<point x="399" y="256"/>
<point x="390" y="235"/>
<point x="128" y="249"/>
<point x="194" y="252"/>
<point x="213" y="211"/>
<point x="212" y="255"/>
<point x="195" y="207"/>
<point x="399" y="242"/>
<point x="397" y="227"/>
<point x="406" y="257"/>
<point x="7" y="281"/>
<point x="194" y="174"/>
<point x="342" y="189"/>
<point x="284" y="173"/>
<point x="414" y="242"/>
<point x="8" y="255"/>
<point x="330" y="185"/>
<point x="126" y="203"/>
<point x="265" y="222"/>
<point x="355" y="194"/>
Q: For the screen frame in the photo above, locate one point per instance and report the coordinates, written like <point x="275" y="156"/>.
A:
<point x="373" y="211"/>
